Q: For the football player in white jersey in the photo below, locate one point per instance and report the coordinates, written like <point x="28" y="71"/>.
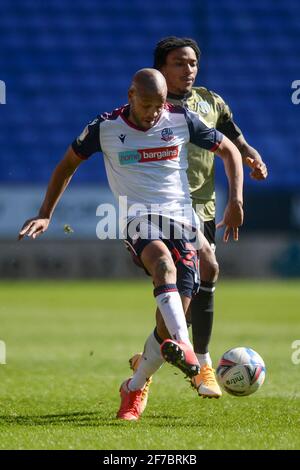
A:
<point x="178" y="60"/>
<point x="144" y="149"/>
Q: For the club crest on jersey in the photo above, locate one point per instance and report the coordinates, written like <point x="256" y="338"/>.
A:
<point x="167" y="134"/>
<point x="203" y="107"/>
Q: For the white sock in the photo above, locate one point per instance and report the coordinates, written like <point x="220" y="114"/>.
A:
<point x="170" y="306"/>
<point x="204" y="359"/>
<point x="151" y="361"/>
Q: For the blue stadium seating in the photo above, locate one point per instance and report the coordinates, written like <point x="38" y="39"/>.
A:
<point x="251" y="58"/>
<point x="65" y="61"/>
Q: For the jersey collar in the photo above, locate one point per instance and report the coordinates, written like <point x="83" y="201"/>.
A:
<point x="125" y="113"/>
<point x="184" y="97"/>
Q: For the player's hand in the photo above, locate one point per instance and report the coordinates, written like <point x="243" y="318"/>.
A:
<point x="259" y="169"/>
<point x="34" y="227"/>
<point x="232" y="219"/>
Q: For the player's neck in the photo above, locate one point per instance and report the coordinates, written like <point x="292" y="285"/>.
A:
<point x="174" y="96"/>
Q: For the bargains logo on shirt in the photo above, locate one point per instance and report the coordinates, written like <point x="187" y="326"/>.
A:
<point x="148" y="155"/>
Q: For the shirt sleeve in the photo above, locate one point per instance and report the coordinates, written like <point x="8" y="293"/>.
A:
<point x="201" y="135"/>
<point x="230" y="129"/>
<point x="88" y="142"/>
<point x="225" y="122"/>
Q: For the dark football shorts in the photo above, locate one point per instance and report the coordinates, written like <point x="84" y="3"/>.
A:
<point x="210" y="232"/>
<point x="144" y="230"/>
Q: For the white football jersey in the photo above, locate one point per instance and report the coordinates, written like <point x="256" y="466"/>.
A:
<point x="149" y="167"/>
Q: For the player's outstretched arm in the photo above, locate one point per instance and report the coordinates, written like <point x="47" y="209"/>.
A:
<point x="233" y="215"/>
<point x="59" y="181"/>
<point x="251" y="158"/>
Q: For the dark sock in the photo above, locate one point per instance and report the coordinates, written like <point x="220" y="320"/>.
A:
<point x="202" y="308"/>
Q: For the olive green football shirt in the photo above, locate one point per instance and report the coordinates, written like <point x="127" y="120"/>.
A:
<point x="214" y="112"/>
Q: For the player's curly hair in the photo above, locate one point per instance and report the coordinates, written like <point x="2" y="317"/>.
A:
<point x="166" y="45"/>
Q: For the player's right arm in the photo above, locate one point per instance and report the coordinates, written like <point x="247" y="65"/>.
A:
<point x="81" y="149"/>
<point x="233" y="215"/>
<point x="59" y="181"/>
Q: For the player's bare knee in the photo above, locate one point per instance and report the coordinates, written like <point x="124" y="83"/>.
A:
<point x="209" y="271"/>
<point x="214" y="270"/>
<point x="209" y="266"/>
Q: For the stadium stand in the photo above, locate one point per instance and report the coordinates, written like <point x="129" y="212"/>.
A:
<point x="65" y="61"/>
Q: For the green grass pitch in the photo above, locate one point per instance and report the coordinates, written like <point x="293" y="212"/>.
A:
<point x="68" y="346"/>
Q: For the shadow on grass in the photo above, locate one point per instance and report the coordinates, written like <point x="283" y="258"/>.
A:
<point x="90" y="418"/>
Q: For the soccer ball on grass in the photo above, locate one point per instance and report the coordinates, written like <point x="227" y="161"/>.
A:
<point x="241" y="371"/>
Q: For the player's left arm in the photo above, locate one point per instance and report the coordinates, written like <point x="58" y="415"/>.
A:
<point x="228" y="127"/>
<point x="214" y="141"/>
